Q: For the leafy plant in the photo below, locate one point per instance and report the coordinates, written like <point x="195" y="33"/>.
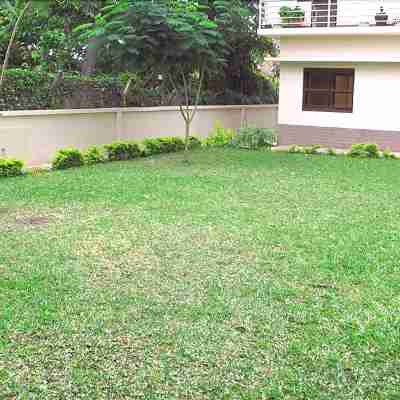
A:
<point x="219" y="136"/>
<point x="10" y="167"/>
<point x="167" y="144"/>
<point x="387" y="153"/>
<point x="363" y="150"/>
<point x="294" y="149"/>
<point x="253" y="138"/>
<point x="120" y="151"/>
<point x="194" y="142"/>
<point x="68" y="158"/>
<point x="291" y="16"/>
<point x="331" y="152"/>
<point x="312" y="149"/>
<point x="178" y="38"/>
<point x="94" y="155"/>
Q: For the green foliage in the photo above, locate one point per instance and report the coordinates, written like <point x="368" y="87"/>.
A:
<point x="312" y="149"/>
<point x="10" y="167"/>
<point x="254" y="138"/>
<point x="94" y="155"/>
<point x="26" y="89"/>
<point x="363" y="150"/>
<point x="67" y="158"/>
<point x="194" y="142"/>
<point x="294" y="149"/>
<point x="290" y="16"/>
<point x="120" y="151"/>
<point x="219" y="136"/>
<point x="331" y="152"/>
<point x="387" y="154"/>
<point x="167" y="144"/>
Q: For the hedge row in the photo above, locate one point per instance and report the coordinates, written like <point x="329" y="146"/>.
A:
<point x="116" y="151"/>
<point x="26" y="89"/>
<point x="120" y="151"/>
<point x="358" y="150"/>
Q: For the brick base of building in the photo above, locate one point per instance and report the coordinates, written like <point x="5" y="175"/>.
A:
<point x="339" y="138"/>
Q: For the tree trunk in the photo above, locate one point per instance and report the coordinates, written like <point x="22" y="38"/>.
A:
<point x="89" y="64"/>
<point x="11" y="42"/>
<point x="187" y="137"/>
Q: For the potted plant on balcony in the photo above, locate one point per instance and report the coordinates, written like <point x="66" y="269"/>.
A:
<point x="291" y="17"/>
<point x="381" y="18"/>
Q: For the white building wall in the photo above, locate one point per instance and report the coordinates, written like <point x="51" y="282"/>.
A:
<point x="376" y="97"/>
<point x="343" y="48"/>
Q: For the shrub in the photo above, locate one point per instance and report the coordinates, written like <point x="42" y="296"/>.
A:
<point x="295" y="149"/>
<point x="312" y="149"/>
<point x="331" y="152"/>
<point x="194" y="142"/>
<point x="68" y="158"/>
<point x="94" y="155"/>
<point x="166" y="144"/>
<point x="170" y="144"/>
<point x="254" y="138"/>
<point x="387" y="153"/>
<point x="372" y="150"/>
<point x="219" y="136"/>
<point x="364" y="150"/>
<point x="119" y="151"/>
<point x="10" y="167"/>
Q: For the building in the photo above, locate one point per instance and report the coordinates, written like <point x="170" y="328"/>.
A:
<point x="339" y="70"/>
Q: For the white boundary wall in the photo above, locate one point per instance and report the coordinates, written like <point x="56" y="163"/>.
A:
<point x="34" y="136"/>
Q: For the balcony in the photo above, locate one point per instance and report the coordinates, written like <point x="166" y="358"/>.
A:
<point x="328" y="17"/>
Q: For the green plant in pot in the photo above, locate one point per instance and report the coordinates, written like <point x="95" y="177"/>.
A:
<point x="291" y="17"/>
<point x="381" y="18"/>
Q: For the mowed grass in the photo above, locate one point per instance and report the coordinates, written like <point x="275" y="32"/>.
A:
<point x="244" y="275"/>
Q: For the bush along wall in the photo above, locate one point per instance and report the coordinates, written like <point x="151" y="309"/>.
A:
<point x="37" y="90"/>
<point x="10" y="167"/>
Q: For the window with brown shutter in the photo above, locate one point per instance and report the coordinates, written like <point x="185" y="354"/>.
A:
<point x="328" y="90"/>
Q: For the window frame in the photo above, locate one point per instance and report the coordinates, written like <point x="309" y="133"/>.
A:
<point x="332" y="73"/>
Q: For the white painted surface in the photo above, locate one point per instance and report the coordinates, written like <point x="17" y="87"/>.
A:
<point x="376" y="98"/>
<point x="35" y="136"/>
<point x="346" y="48"/>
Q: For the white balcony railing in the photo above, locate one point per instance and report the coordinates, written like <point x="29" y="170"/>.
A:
<point x="328" y="13"/>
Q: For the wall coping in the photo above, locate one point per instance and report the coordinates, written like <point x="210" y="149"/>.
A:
<point x="26" y="113"/>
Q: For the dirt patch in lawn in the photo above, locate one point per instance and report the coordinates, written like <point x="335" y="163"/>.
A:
<point x="36" y="220"/>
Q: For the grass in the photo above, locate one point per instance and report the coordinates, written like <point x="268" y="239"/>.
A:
<point x="246" y="275"/>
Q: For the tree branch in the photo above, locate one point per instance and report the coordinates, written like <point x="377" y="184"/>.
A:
<point x="11" y="42"/>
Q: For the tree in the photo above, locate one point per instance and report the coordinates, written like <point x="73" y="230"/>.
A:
<point x="174" y="38"/>
<point x="18" y="9"/>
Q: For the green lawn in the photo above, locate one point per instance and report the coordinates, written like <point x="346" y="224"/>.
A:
<point x="246" y="275"/>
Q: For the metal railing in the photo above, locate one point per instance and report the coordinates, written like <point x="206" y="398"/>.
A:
<point x="328" y="13"/>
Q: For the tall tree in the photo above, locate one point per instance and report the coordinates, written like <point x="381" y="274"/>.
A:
<point x="174" y="38"/>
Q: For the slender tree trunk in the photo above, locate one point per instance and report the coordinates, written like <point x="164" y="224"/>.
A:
<point x="89" y="64"/>
<point x="11" y="42"/>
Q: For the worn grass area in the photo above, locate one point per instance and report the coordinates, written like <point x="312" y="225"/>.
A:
<point x="246" y="275"/>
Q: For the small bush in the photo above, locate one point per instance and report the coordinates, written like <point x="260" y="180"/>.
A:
<point x="387" y="153"/>
<point x="372" y="150"/>
<point x="120" y="151"/>
<point x="10" y="167"/>
<point x="312" y="149"/>
<point x="94" y="155"/>
<point x="166" y="144"/>
<point x="194" y="142"/>
<point x="364" y="150"/>
<point x="254" y="138"/>
<point x="295" y="149"/>
<point x="219" y="136"/>
<point x="68" y="158"/>
<point x="331" y="152"/>
<point x="171" y="144"/>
